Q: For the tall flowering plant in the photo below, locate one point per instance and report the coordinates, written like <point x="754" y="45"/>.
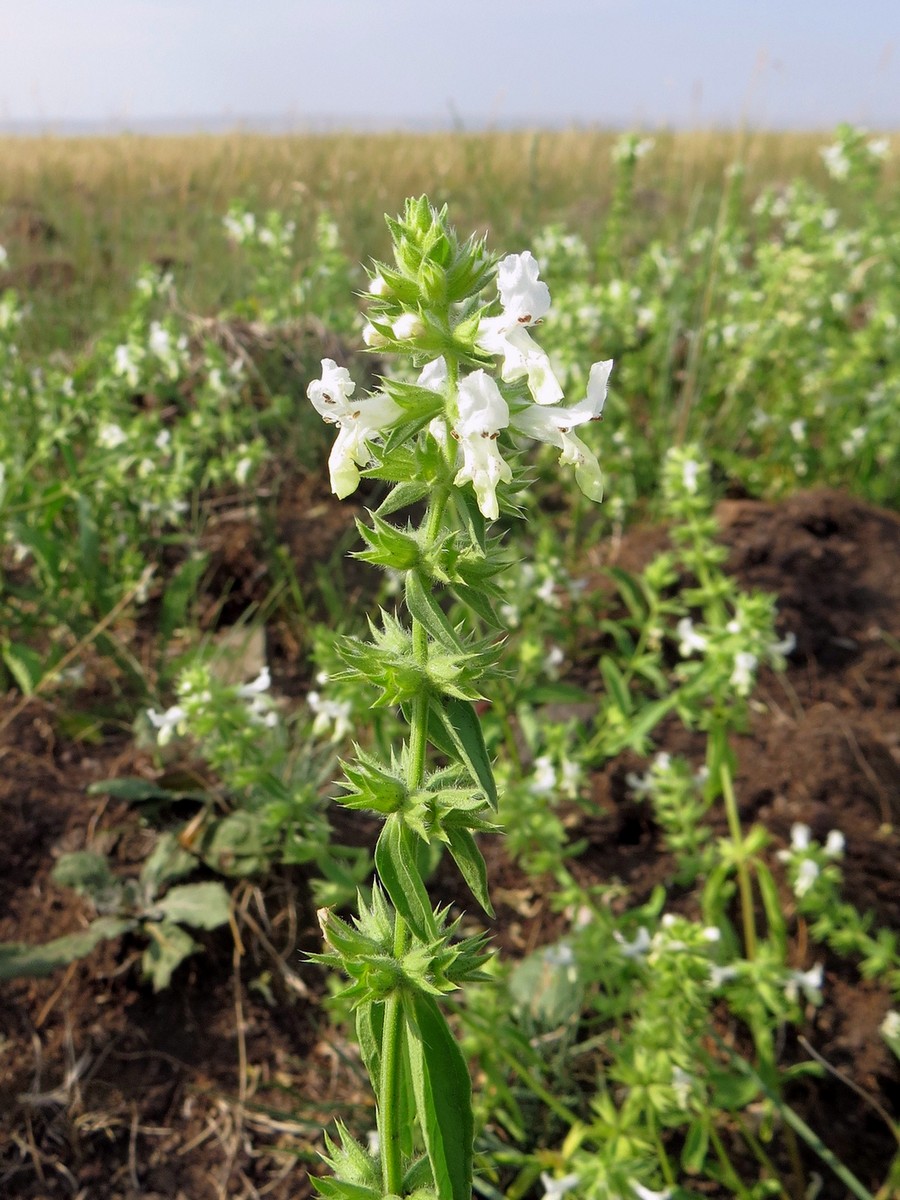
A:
<point x="451" y="440"/>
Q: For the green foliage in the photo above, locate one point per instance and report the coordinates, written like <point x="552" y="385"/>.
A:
<point x="145" y="906"/>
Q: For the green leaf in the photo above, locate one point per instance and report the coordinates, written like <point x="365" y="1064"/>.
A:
<point x="85" y="871"/>
<point x="236" y="845"/>
<point x="169" y="946"/>
<point x="402" y="496"/>
<point x="26" y="666"/>
<point x="639" y="727"/>
<point x="426" y="610"/>
<point x="471" y="516"/>
<point x="696" y="1144"/>
<point x="203" y="905"/>
<point x="395" y="861"/>
<point x="475" y="599"/>
<point x="136" y="790"/>
<point x="471" y="864"/>
<point x="773" y="907"/>
<point x="369" y="1035"/>
<point x="631" y="591"/>
<point x="18" y="959"/>
<point x="90" y="567"/>
<point x="443" y="1093"/>
<point x="458" y="719"/>
<point x="616" y="685"/>
<point x="180" y="591"/>
<point x="167" y="861"/>
<point x="546" y="986"/>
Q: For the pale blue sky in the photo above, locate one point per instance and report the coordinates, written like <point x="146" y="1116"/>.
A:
<point x="783" y="63"/>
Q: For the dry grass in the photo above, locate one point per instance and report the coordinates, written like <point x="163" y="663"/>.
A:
<point x="80" y="214"/>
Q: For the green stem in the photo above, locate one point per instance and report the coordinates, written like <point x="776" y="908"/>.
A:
<point x="737" y="837"/>
<point x="389" y="1085"/>
<point x="392" y="1063"/>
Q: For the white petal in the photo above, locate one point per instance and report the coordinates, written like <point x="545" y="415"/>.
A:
<point x="484" y="467"/>
<point x="482" y="409"/>
<point x="434" y="375"/>
<point x="524" y="297"/>
<point x="330" y="395"/>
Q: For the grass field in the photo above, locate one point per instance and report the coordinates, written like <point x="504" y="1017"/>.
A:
<point x="80" y="215"/>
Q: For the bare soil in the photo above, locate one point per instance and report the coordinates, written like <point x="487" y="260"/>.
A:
<point x="220" y="1086"/>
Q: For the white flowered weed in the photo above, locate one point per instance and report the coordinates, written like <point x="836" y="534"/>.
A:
<point x="453" y="440"/>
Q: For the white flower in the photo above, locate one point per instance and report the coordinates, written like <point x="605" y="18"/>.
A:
<point x="555" y="1189"/>
<point x="125" y="365"/>
<point x="330" y="712"/>
<point x="240" y="226"/>
<point x="378" y="286"/>
<point x="569" y="778"/>
<point x="373" y="1141"/>
<point x="800" y="835"/>
<point x="242" y="470"/>
<point x="798" y="430"/>
<point x="689" y="472"/>
<point x="745" y="664"/>
<point x="260" y="684"/>
<point x="110" y="435"/>
<point x="560" y="955"/>
<point x="689" y="639"/>
<point x="554" y="425"/>
<point x="159" y="341"/>
<point x="682" y="1083"/>
<point x="809" y="982"/>
<point x="544" y="779"/>
<point x="434" y="375"/>
<point x="408" y="325"/>
<point x="522" y="357"/>
<point x="640" y="785"/>
<point x="331" y="394"/>
<point x="837" y="164"/>
<point x="720" y="975"/>
<point x="162" y="439"/>
<point x="482" y="414"/>
<point x="373" y="338"/>
<point x="890" y="1026"/>
<point x="878" y="148"/>
<point x="787" y="645"/>
<point x="359" y="422"/>
<point x="807" y="874"/>
<point x="636" y="949"/>
<point x="168" y="723"/>
<point x="645" y="1193"/>
<point x="835" y="844"/>
<point x="524" y="297"/>
<point x="553" y="660"/>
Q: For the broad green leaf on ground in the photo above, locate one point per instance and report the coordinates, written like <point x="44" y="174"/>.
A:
<point x="18" y="959"/>
<point x="203" y="905"/>
<point x="169" y="946"/>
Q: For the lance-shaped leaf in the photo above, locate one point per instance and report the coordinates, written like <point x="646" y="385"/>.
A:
<point x="443" y="1094"/>
<point x="471" y="864"/>
<point x="455" y="729"/>
<point x="402" y="496"/>
<point x="395" y="861"/>
<point x="425" y="609"/>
